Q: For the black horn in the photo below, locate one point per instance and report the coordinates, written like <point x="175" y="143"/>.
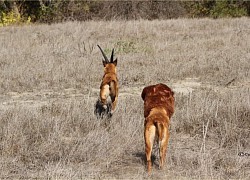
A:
<point x="112" y="56"/>
<point x="105" y="57"/>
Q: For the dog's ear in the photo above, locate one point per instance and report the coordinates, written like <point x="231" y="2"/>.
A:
<point x="104" y="63"/>
<point x="115" y="62"/>
<point x="143" y="94"/>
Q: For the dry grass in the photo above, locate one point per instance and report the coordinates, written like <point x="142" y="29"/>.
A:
<point x="50" y="78"/>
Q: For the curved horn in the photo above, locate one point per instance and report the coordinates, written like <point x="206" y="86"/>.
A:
<point x="112" y="56"/>
<point x="105" y="57"/>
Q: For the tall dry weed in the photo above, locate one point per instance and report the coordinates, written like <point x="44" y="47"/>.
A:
<point x="49" y="83"/>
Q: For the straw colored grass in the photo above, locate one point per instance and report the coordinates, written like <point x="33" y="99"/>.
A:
<point x="49" y="83"/>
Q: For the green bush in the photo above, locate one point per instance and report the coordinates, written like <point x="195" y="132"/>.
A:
<point x="199" y="9"/>
<point x="44" y="11"/>
<point x="11" y="18"/>
<point x="216" y="8"/>
<point x="227" y="8"/>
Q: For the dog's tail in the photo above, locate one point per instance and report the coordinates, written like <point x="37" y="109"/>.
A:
<point x="160" y="130"/>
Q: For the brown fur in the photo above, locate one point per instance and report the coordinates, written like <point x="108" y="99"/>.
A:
<point x="158" y="109"/>
<point x="109" y="85"/>
<point x="110" y="79"/>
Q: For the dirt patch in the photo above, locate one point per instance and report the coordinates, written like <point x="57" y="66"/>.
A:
<point x="186" y="86"/>
<point x="39" y="98"/>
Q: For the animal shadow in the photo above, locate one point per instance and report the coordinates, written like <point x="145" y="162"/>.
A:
<point x="143" y="158"/>
<point x="102" y="112"/>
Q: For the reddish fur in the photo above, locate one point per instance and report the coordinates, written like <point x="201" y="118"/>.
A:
<point x="159" y="95"/>
<point x="109" y="78"/>
<point x="158" y="109"/>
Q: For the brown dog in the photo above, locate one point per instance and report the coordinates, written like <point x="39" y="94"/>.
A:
<point x="109" y="85"/>
<point x="158" y="109"/>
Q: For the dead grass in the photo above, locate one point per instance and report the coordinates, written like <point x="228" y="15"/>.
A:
<point x="50" y="76"/>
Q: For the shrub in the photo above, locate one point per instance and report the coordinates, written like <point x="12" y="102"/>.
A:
<point x="217" y="9"/>
<point x="227" y="9"/>
<point x="11" y="18"/>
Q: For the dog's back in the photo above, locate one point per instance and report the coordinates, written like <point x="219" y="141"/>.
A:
<point x="159" y="95"/>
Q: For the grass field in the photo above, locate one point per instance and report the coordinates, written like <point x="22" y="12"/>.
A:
<point x="49" y="83"/>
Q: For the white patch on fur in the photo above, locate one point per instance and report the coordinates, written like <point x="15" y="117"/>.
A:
<point x="106" y="90"/>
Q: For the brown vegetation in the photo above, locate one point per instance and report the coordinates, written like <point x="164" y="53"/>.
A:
<point x="49" y="82"/>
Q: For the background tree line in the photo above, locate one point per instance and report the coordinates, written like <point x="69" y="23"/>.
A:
<point x="50" y="11"/>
